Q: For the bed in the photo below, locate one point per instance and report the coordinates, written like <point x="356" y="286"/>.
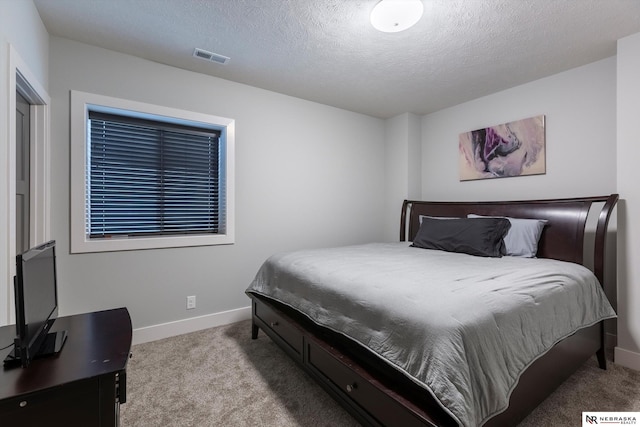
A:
<point x="376" y="325"/>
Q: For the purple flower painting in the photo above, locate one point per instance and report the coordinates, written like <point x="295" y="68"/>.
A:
<point x="511" y="149"/>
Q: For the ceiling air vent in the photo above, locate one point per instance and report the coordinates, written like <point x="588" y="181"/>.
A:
<point x="210" y="56"/>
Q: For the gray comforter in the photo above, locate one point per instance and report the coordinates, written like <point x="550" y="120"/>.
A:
<point x="462" y="327"/>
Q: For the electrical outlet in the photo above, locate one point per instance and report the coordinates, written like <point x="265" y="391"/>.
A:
<point x="191" y="302"/>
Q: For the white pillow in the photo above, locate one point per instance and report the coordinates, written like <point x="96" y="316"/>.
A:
<point x="436" y="217"/>
<point x="523" y="236"/>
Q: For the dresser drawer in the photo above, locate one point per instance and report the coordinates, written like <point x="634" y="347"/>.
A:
<point x="345" y="378"/>
<point x="75" y="404"/>
<point x="278" y="325"/>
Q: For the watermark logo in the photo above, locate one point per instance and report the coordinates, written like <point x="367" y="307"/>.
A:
<point x="591" y="419"/>
<point x="610" y="418"/>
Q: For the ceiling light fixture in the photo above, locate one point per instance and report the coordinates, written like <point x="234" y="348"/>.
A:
<point x="392" y="16"/>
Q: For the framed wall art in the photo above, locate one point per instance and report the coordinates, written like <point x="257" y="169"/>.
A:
<point x="511" y="149"/>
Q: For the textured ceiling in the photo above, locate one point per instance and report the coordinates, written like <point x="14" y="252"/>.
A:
<point x="327" y="51"/>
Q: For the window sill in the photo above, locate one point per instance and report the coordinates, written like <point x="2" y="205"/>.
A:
<point x="140" y="243"/>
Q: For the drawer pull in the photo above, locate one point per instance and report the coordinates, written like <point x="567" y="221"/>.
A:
<point x="351" y="387"/>
<point x="23" y="403"/>
<point x="274" y="323"/>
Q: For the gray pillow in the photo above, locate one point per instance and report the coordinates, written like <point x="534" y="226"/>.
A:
<point x="523" y="236"/>
<point x="473" y="236"/>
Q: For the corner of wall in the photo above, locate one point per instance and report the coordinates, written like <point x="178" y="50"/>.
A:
<point x="403" y="168"/>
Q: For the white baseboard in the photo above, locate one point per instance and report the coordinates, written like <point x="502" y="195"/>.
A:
<point x="179" y="327"/>
<point x="626" y="358"/>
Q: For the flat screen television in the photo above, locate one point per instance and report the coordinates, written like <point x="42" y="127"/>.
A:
<point x="36" y="302"/>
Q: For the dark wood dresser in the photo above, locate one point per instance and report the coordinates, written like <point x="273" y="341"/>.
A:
<point x="83" y="385"/>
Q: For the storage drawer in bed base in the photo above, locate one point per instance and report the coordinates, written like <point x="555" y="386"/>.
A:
<point x="371" y="402"/>
<point x="346" y="380"/>
<point x="280" y="329"/>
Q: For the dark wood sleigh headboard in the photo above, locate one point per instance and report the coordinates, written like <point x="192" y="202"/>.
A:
<point x="562" y="238"/>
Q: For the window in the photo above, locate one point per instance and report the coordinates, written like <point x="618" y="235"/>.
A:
<point x="151" y="176"/>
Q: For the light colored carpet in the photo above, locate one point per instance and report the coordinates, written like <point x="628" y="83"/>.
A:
<point x="221" y="377"/>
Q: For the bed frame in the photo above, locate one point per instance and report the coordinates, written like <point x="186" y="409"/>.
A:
<point x="376" y="395"/>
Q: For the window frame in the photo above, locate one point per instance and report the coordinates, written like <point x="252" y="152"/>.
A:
<point x="81" y="104"/>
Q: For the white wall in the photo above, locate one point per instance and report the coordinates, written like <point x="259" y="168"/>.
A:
<point x="580" y="110"/>
<point x="20" y="25"/>
<point x="307" y="175"/>
<point x="403" y="168"/>
<point x="628" y="176"/>
<point x="22" y="29"/>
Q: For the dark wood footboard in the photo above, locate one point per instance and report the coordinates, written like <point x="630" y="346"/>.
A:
<point x="547" y="373"/>
<point x="376" y="395"/>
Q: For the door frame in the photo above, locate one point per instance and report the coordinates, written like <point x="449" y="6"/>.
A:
<point x="23" y="80"/>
